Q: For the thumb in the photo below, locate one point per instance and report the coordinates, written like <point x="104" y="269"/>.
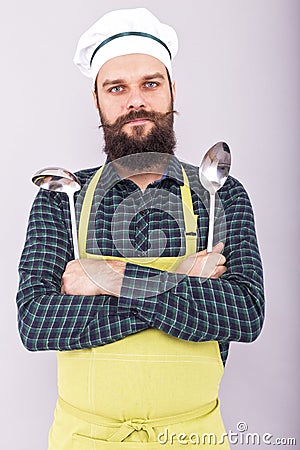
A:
<point x="218" y="248"/>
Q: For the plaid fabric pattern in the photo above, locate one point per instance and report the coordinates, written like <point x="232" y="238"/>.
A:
<point x="125" y="222"/>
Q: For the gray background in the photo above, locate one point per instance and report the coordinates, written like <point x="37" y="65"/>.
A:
<point x="237" y="75"/>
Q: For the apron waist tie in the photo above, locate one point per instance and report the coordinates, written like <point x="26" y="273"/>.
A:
<point x="125" y="429"/>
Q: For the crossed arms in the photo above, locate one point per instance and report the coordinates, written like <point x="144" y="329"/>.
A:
<point x="226" y="306"/>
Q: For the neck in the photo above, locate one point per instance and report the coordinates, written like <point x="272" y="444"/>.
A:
<point x="143" y="180"/>
<point x="141" y="177"/>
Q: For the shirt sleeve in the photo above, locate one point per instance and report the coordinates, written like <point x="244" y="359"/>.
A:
<point x="47" y="319"/>
<point x="230" y="308"/>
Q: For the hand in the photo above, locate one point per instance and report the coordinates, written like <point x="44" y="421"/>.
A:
<point x="93" y="277"/>
<point x="205" y="265"/>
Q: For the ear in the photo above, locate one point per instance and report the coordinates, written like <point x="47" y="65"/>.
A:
<point x="174" y="89"/>
<point x="95" y="99"/>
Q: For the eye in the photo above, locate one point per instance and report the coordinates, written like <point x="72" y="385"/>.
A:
<point x="116" y="89"/>
<point x="151" y="84"/>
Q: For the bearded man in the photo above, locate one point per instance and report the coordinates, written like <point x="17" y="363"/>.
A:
<point x="143" y="319"/>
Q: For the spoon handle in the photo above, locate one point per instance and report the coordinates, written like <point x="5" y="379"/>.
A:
<point x="73" y="225"/>
<point x="212" y="199"/>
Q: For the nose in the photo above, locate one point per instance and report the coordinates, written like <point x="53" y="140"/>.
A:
<point x="135" y="99"/>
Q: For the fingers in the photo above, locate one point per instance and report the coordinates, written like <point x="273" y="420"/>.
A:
<point x="211" y="262"/>
<point x="220" y="268"/>
<point x="215" y="264"/>
<point x="218" y="272"/>
<point x="218" y="248"/>
<point x="205" y="265"/>
<point x="220" y="260"/>
<point x="72" y="277"/>
<point x="105" y="277"/>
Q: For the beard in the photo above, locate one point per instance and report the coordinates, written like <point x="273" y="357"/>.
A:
<point x="160" y="140"/>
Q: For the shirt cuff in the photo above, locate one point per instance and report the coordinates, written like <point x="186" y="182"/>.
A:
<point x="143" y="287"/>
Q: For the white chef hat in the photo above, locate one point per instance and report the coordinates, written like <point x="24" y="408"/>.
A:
<point x="124" y="32"/>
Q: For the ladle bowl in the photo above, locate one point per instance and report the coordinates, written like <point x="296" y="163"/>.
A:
<point x="58" y="179"/>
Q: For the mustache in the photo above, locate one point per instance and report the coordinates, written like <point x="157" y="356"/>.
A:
<point x="134" y="115"/>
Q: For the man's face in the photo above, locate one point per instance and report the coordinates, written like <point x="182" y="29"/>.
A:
<point x="132" y="84"/>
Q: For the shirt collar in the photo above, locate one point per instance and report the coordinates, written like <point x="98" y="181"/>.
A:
<point x="174" y="170"/>
<point x="110" y="176"/>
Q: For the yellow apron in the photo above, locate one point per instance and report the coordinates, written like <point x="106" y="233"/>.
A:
<point x="147" y="390"/>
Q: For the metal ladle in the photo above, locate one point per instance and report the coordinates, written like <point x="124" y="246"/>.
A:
<point x="213" y="172"/>
<point x="61" y="180"/>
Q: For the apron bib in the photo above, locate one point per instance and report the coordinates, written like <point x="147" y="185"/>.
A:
<point x="147" y="390"/>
